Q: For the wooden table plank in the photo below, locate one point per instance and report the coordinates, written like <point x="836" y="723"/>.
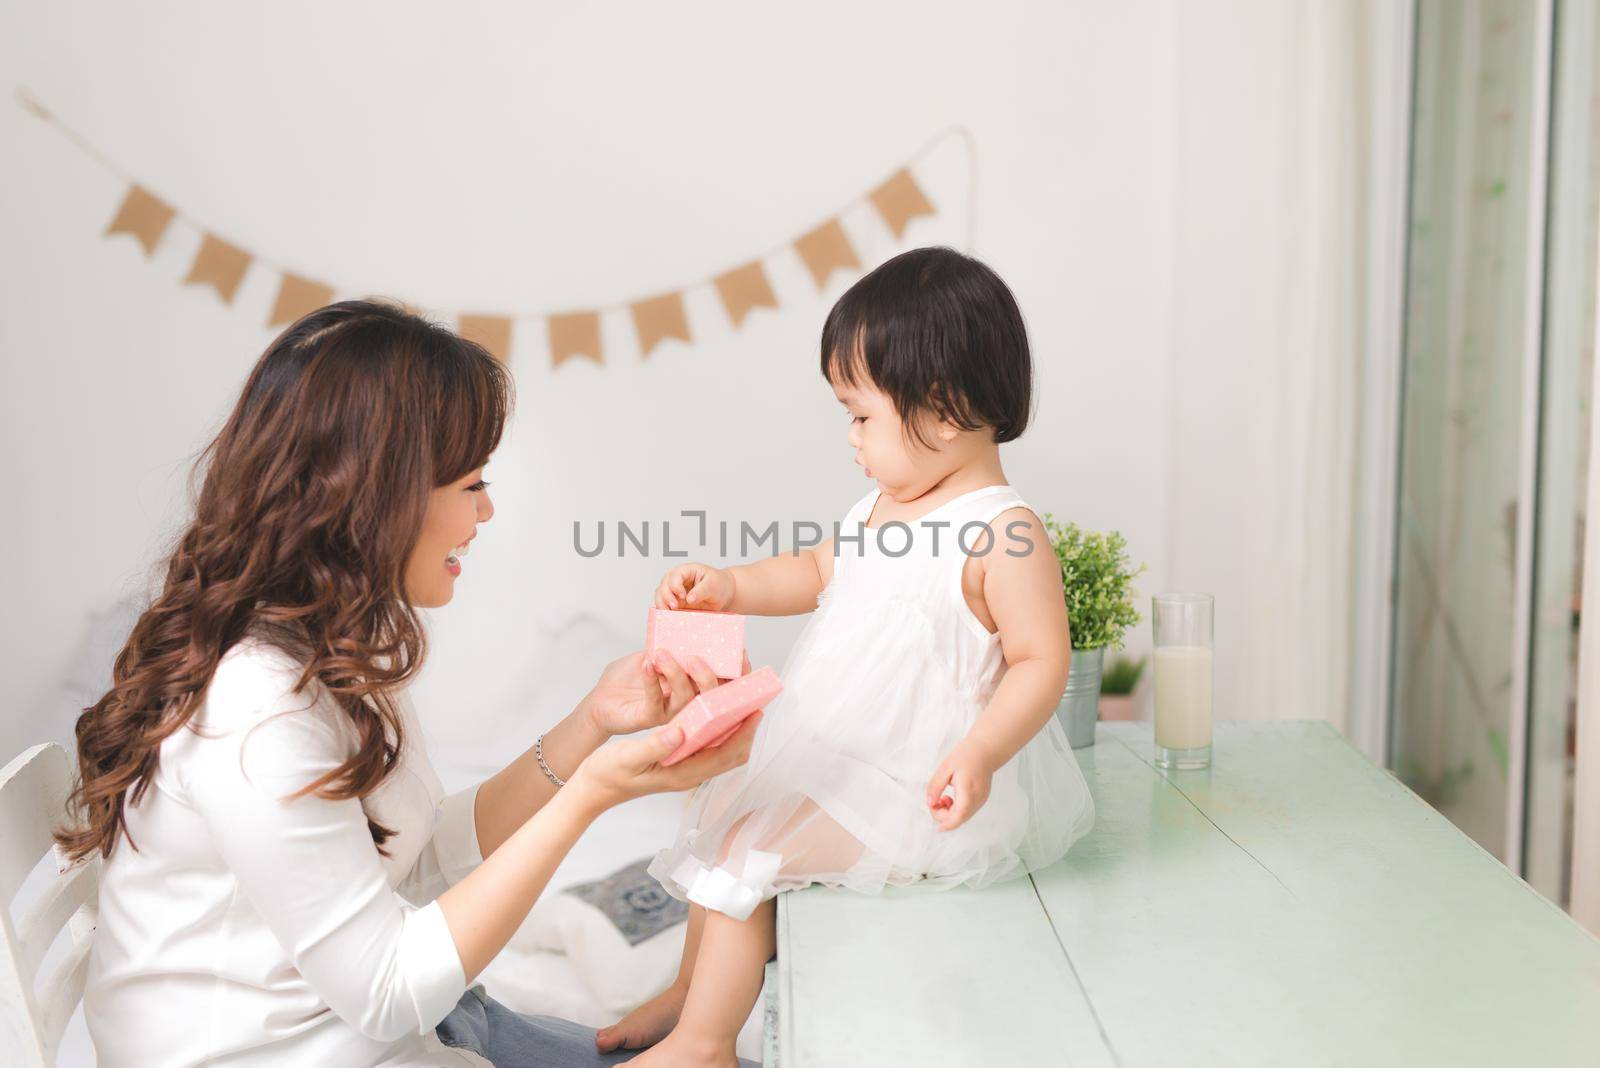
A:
<point x="959" y="978"/>
<point x="1151" y="906"/>
<point x="1296" y="904"/>
<point x="1293" y="904"/>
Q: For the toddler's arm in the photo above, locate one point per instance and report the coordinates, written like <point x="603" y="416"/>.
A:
<point x="782" y="585"/>
<point x="1024" y="595"/>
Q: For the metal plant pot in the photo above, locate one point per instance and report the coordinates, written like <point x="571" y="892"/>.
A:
<point x="1079" y="709"/>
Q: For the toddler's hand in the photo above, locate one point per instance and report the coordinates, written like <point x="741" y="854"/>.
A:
<point x="969" y="770"/>
<point x="696" y="586"/>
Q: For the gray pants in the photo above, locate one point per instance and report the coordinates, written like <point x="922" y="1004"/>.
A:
<point x="510" y="1039"/>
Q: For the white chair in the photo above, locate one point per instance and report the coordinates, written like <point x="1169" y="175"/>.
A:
<point x="33" y="795"/>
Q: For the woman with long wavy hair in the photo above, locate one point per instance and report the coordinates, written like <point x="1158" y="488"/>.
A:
<point x="284" y="880"/>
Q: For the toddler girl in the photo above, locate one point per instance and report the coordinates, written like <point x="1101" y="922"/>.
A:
<point x="915" y="740"/>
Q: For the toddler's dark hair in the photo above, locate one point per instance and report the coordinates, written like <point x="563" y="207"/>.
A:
<point x="939" y="333"/>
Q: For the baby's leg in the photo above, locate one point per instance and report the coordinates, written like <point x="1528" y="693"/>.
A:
<point x="726" y="983"/>
<point x="650" y="1022"/>
<point x="727" y="973"/>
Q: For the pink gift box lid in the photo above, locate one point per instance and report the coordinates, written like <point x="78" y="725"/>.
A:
<point x="715" y="637"/>
<point x="711" y="717"/>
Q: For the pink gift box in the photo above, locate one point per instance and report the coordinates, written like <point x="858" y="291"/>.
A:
<point x="715" y="637"/>
<point x="716" y="714"/>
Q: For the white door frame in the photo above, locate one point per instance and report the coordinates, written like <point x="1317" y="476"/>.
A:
<point x="1393" y="63"/>
<point x="1528" y="478"/>
<point x="1388" y="179"/>
<point x="1584" y="890"/>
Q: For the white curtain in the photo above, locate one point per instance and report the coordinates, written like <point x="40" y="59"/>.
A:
<point x="1270" y="247"/>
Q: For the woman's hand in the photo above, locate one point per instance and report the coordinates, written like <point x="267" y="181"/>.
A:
<point x="635" y="693"/>
<point x="696" y="586"/>
<point x="970" y="770"/>
<point x="631" y="767"/>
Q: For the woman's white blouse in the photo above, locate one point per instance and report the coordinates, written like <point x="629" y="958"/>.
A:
<point x="246" y="930"/>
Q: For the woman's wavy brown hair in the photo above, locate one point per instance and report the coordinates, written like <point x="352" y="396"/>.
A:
<point x="314" y="495"/>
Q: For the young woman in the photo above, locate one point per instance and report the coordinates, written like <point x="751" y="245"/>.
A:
<point x="285" y="882"/>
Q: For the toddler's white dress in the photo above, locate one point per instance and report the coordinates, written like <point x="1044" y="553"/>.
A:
<point x="889" y="674"/>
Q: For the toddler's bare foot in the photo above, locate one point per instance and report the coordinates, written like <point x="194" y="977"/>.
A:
<point x="679" y="1050"/>
<point x="646" y="1025"/>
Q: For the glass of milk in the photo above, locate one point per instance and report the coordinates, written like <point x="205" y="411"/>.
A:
<point x="1182" y="624"/>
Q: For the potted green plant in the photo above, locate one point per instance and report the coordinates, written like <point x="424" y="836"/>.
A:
<point x="1097" y="581"/>
<point x="1117" y="684"/>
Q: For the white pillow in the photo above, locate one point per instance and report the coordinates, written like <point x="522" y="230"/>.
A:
<point x="565" y="937"/>
<point x="621" y="976"/>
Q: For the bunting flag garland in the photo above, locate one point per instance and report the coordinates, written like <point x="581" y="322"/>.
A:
<point x="744" y="288"/>
<point x="899" y="200"/>
<point x="577" y="334"/>
<point x="659" y="318"/>
<point x="143" y="215"/>
<point x="824" y="250"/>
<point x="493" y="332"/>
<point x="296" y="297"/>
<point x="220" y="266"/>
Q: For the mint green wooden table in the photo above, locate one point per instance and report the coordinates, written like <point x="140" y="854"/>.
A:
<point x="1292" y="905"/>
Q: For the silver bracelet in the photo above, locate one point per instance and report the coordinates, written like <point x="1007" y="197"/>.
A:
<point x="538" y="754"/>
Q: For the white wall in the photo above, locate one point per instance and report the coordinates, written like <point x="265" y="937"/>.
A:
<point x="555" y="156"/>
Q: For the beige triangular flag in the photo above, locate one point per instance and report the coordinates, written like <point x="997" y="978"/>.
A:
<point x="826" y="249"/>
<point x="899" y="200"/>
<point x="219" y="265"/>
<point x="493" y="332"/>
<point x="572" y="335"/>
<point x="143" y="215"/>
<point x="298" y="296"/>
<point x="659" y="318"/>
<point x="744" y="288"/>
